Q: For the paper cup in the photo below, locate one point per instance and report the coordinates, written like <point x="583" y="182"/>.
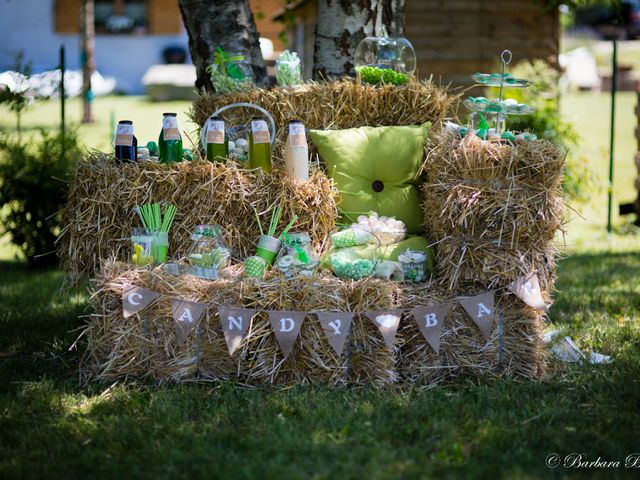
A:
<point x="255" y="267"/>
<point x="268" y="248"/>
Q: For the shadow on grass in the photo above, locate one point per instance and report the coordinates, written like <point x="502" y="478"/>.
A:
<point x="36" y="323"/>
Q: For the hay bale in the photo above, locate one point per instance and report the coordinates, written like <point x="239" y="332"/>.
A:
<point x="342" y="104"/>
<point x="494" y="209"/>
<point x="99" y="213"/>
<point x="515" y="350"/>
<point x="144" y="346"/>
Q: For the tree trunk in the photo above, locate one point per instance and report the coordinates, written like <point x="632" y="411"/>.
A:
<point x="87" y="57"/>
<point x="342" y="25"/>
<point x="228" y="24"/>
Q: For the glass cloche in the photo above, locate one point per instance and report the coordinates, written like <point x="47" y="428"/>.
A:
<point x="385" y="60"/>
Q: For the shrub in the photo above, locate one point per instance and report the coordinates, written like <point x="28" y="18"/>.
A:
<point x="32" y="190"/>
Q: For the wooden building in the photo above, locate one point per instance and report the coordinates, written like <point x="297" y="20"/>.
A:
<point x="455" y="38"/>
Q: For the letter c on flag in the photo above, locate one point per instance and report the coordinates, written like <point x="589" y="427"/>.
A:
<point x="130" y="298"/>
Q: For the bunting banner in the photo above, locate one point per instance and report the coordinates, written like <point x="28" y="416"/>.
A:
<point x="480" y="309"/>
<point x="430" y="321"/>
<point x="336" y="327"/>
<point x="235" y="324"/>
<point x="186" y="314"/>
<point x="286" y="326"/>
<point x="135" y="299"/>
<point x="235" y="321"/>
<point x="387" y="322"/>
<point x="527" y="288"/>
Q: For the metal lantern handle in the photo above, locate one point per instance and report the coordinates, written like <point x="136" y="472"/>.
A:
<point x="203" y="131"/>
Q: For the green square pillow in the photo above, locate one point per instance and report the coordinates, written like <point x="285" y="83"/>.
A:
<point x="376" y="169"/>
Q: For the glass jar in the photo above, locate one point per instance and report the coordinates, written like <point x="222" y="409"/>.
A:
<point x="385" y="60"/>
<point x="297" y="256"/>
<point x="231" y="72"/>
<point x="149" y="246"/>
<point x="209" y="252"/>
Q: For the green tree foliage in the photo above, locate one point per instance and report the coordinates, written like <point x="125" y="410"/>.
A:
<point x="32" y="190"/>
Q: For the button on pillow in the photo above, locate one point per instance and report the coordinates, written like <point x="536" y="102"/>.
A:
<point x="376" y="169"/>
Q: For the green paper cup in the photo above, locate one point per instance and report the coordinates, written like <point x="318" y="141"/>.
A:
<point x="268" y="248"/>
<point x="255" y="267"/>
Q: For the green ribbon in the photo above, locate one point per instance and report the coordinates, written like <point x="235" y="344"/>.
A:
<point x="302" y="255"/>
<point x="222" y="59"/>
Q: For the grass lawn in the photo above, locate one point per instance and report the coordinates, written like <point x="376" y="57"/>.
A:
<point x="51" y="426"/>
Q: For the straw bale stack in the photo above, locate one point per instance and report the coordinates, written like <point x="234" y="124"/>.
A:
<point x="494" y="209"/>
<point x="342" y="104"/>
<point x="515" y="347"/>
<point x="99" y="213"/>
<point x="144" y="346"/>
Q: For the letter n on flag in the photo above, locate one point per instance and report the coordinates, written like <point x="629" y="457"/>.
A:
<point x="235" y="324"/>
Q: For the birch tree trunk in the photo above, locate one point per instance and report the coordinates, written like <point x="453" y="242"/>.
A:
<point x="228" y="24"/>
<point x="342" y="25"/>
<point x="87" y="57"/>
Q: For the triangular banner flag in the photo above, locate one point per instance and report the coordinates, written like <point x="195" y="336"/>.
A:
<point x="387" y="322"/>
<point x="527" y="288"/>
<point x="286" y="325"/>
<point x="234" y="323"/>
<point x="430" y="321"/>
<point x="135" y="299"/>
<point x="186" y="314"/>
<point x="336" y="327"/>
<point x="480" y="309"/>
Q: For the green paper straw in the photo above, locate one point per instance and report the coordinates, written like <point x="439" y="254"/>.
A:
<point x="258" y="218"/>
<point x="289" y="225"/>
<point x="275" y="218"/>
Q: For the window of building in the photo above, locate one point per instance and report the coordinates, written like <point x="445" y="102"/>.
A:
<point x="122" y="17"/>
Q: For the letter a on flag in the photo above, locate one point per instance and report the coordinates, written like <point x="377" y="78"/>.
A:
<point x="235" y="324"/>
<point x="135" y="299"/>
<point x="336" y="327"/>
<point x="286" y="326"/>
<point x="186" y="314"/>
<point x="481" y="310"/>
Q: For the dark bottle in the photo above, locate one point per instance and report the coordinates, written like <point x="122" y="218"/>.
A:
<point x="217" y="143"/>
<point x="126" y="143"/>
<point x="170" y="141"/>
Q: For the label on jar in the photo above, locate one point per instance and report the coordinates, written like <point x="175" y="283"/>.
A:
<point x="170" y="128"/>
<point x="260" y="131"/>
<point x="124" y="135"/>
<point x="215" y="131"/>
<point x="297" y="135"/>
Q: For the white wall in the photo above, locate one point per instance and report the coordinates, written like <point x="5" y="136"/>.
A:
<point x="29" y="25"/>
